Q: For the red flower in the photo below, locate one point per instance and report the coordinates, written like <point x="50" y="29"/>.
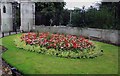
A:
<point x="56" y="40"/>
<point x="74" y="45"/>
<point x="29" y="41"/>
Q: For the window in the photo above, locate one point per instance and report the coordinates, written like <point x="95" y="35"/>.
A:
<point x="4" y="9"/>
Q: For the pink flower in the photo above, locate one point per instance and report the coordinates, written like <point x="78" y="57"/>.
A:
<point x="56" y="40"/>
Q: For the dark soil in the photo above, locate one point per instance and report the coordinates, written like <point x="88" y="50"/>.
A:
<point x="8" y="70"/>
<point x="3" y="48"/>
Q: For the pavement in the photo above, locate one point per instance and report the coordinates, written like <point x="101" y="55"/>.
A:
<point x="5" y="34"/>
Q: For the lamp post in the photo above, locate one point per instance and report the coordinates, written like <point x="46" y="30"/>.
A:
<point x="70" y="16"/>
<point x="15" y="4"/>
<point x="70" y="19"/>
<point x="83" y="15"/>
<point x="115" y="15"/>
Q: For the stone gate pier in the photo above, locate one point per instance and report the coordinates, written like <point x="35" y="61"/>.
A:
<point x="27" y="10"/>
<point x="27" y="15"/>
<point x="6" y="21"/>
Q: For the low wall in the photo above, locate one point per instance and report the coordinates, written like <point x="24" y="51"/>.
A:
<point x="111" y="36"/>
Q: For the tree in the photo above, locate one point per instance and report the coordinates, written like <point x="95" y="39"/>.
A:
<point x="51" y="10"/>
<point x="77" y="17"/>
<point x="113" y="7"/>
<point x="65" y="17"/>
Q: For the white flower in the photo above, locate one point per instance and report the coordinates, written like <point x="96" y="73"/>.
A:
<point x="62" y="47"/>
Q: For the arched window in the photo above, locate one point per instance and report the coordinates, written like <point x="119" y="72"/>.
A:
<point x="4" y="9"/>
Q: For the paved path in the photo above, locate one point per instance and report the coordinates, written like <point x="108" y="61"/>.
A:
<point x="5" y="34"/>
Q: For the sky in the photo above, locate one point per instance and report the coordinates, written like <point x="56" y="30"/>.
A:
<point x="70" y="4"/>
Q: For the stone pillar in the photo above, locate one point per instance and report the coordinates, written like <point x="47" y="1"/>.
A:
<point x="6" y="17"/>
<point x="0" y="16"/>
<point x="70" y="16"/>
<point x="27" y="16"/>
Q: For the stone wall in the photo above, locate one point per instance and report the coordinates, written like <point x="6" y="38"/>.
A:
<point x="111" y="36"/>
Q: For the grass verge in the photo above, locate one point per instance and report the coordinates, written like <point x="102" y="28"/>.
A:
<point x="34" y="63"/>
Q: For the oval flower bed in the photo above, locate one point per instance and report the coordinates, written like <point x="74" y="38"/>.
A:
<point x="70" y="46"/>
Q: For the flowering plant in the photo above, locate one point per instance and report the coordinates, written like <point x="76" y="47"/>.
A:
<point x="58" y="44"/>
<point x="57" y="41"/>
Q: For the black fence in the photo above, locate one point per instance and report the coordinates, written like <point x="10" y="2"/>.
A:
<point x="107" y="16"/>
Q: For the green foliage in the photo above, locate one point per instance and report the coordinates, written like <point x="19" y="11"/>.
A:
<point x="77" y="18"/>
<point x="37" y="49"/>
<point x="103" y="18"/>
<point x="65" y="17"/>
<point x="50" y="10"/>
<point x="106" y="17"/>
<point x="86" y="53"/>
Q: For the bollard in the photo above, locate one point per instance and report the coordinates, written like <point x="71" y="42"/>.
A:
<point x="16" y="32"/>
<point x="2" y="34"/>
<point x="13" y="71"/>
<point x="9" y="33"/>
<point x="102" y="51"/>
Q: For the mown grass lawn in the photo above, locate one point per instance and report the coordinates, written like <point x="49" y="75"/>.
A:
<point x="34" y="63"/>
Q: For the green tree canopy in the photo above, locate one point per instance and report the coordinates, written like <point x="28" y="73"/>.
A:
<point x="51" y="10"/>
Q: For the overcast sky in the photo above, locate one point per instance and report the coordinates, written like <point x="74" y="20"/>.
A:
<point x="70" y="4"/>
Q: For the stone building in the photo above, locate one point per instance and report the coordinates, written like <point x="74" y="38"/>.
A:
<point x="27" y="14"/>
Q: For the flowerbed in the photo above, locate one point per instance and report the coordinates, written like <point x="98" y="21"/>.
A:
<point x="70" y="46"/>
